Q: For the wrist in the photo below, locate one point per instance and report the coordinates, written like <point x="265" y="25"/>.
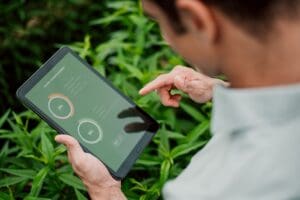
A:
<point x="108" y="193"/>
<point x="94" y="183"/>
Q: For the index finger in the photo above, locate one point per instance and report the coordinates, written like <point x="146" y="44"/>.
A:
<point x="161" y="81"/>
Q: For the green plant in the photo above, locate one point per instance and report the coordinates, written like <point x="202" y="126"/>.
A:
<point x="33" y="166"/>
<point x="28" y="32"/>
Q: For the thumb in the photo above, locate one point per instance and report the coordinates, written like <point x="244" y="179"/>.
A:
<point x="72" y="145"/>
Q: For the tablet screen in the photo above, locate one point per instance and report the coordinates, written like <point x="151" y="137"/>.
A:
<point x="87" y="108"/>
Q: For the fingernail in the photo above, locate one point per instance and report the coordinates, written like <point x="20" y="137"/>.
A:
<point x="141" y="91"/>
<point x="56" y="138"/>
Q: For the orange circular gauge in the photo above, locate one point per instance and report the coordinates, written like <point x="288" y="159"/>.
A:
<point x="60" y="106"/>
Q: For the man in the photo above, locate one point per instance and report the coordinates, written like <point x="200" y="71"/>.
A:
<point x="254" y="153"/>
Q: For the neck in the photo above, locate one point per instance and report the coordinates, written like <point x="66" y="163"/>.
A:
<point x="276" y="61"/>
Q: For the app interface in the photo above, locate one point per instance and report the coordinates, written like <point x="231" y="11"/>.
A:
<point x="89" y="110"/>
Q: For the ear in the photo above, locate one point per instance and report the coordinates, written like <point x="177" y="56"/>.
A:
<point x="198" y="15"/>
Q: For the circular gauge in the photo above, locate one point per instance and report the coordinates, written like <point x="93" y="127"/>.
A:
<point x="89" y="131"/>
<point x="60" y="106"/>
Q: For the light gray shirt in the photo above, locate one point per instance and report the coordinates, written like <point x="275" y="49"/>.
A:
<point x="254" y="153"/>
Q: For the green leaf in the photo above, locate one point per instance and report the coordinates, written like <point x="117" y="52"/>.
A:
<point x="4" y="196"/>
<point x="26" y="173"/>
<point x="197" y="132"/>
<point x="186" y="148"/>
<point x="17" y="118"/>
<point x="59" y="150"/>
<point x="134" y="71"/>
<point x="4" y="151"/>
<point x="175" y="135"/>
<point x="107" y="20"/>
<point x="4" y="117"/>
<point x="9" y="135"/>
<point x="86" y="47"/>
<point x="4" y="182"/>
<point x="138" y="186"/>
<point x="34" y="158"/>
<point x="47" y="147"/>
<point x="35" y="198"/>
<point x="164" y="139"/>
<point x="193" y="112"/>
<point x="154" y="191"/>
<point x="79" y="195"/>
<point x="170" y="117"/>
<point x="118" y="5"/>
<point x="37" y="183"/>
<point x="72" y="180"/>
<point x="164" y="171"/>
<point x="148" y="162"/>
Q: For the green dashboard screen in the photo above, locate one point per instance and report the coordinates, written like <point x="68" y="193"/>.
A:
<point x="88" y="109"/>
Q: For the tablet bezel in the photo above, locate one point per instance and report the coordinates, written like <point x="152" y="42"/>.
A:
<point x="40" y="73"/>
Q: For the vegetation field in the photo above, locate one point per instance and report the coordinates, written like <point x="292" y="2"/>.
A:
<point x="123" y="45"/>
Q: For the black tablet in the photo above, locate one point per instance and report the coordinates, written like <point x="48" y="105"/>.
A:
<point x="75" y="99"/>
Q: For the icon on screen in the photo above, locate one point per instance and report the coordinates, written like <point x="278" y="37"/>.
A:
<point x="60" y="106"/>
<point x="89" y="131"/>
<point x="118" y="140"/>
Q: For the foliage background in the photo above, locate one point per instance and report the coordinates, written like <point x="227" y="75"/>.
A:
<point x="123" y="45"/>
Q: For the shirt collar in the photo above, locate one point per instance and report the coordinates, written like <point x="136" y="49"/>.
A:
<point x="236" y="109"/>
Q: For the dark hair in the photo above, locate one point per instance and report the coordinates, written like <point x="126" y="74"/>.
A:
<point x="254" y="15"/>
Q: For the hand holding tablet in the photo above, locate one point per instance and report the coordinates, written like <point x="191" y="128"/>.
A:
<point x="76" y="100"/>
<point x="92" y="172"/>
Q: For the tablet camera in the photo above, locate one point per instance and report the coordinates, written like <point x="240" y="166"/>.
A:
<point x="60" y="106"/>
<point x="89" y="131"/>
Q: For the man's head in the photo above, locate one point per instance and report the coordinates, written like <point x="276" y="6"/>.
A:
<point x="203" y="30"/>
<point x="253" y="15"/>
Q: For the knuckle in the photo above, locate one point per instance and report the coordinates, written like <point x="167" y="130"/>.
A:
<point x="72" y="143"/>
<point x="190" y="88"/>
<point x="78" y="163"/>
<point x="178" y="68"/>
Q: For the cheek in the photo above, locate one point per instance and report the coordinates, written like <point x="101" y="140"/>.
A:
<point x="175" y="42"/>
<point x="189" y="48"/>
<point x="168" y="34"/>
<point x="196" y="55"/>
<point x="186" y="47"/>
<point x="179" y="43"/>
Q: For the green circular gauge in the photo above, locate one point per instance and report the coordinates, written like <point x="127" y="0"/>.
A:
<point x="89" y="131"/>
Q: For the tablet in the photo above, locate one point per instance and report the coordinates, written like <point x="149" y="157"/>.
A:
<point x="75" y="99"/>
